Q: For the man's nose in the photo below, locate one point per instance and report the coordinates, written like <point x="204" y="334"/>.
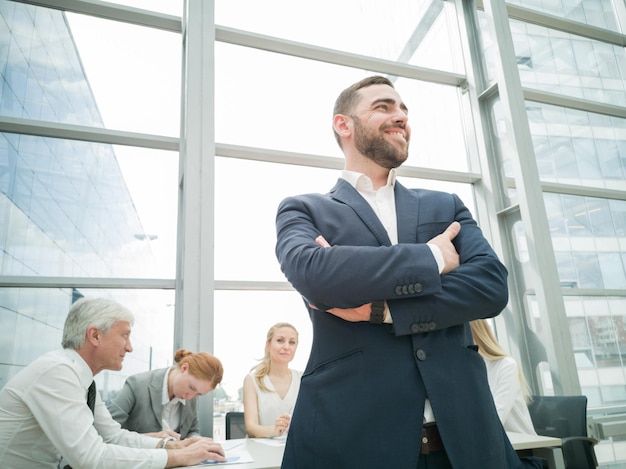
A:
<point x="401" y="118"/>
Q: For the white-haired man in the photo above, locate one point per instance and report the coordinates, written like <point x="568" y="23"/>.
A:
<point x="44" y="411"/>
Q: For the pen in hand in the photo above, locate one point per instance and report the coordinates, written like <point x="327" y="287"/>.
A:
<point x="168" y="430"/>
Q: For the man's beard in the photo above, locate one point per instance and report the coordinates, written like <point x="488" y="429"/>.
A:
<point x="377" y="148"/>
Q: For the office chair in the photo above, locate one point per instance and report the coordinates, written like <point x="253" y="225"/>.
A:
<point x="235" y="426"/>
<point x="565" y="417"/>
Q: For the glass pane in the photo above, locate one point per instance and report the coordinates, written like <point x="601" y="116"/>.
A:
<point x="171" y="7"/>
<point x="420" y="32"/>
<point x="40" y="312"/>
<point x="597" y="330"/>
<point x="599" y="13"/>
<point x="562" y="63"/>
<point x="294" y="113"/>
<point x="571" y="65"/>
<point x="575" y="147"/>
<point x="571" y="147"/>
<point x="588" y="242"/>
<point x="144" y="94"/>
<point x="244" y="246"/>
<point x="62" y="71"/>
<point x="79" y="209"/>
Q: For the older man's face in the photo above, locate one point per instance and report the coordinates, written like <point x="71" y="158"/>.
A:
<point x="113" y="346"/>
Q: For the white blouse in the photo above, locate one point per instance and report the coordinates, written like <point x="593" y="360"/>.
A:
<point x="270" y="404"/>
<point x="507" y="394"/>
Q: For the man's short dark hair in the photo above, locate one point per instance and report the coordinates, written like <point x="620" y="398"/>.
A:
<point x="348" y="97"/>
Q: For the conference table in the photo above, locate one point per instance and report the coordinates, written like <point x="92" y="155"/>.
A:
<point x="546" y="447"/>
<point x="267" y="453"/>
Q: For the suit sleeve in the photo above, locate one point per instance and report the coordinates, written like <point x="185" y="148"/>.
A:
<point x="123" y="404"/>
<point x="476" y="289"/>
<point x="344" y="275"/>
<point x="405" y="274"/>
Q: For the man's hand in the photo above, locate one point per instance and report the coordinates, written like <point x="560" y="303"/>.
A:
<point x="448" y="251"/>
<point x="193" y="451"/>
<point x="178" y="444"/>
<point x="322" y="241"/>
<point x="360" y="313"/>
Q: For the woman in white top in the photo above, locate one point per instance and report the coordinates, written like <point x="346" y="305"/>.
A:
<point x="271" y="388"/>
<point x="506" y="380"/>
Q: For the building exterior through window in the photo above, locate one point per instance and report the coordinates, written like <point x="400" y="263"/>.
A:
<point x="116" y="180"/>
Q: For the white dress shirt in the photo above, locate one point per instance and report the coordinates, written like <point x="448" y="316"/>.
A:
<point x="44" y="414"/>
<point x="383" y="202"/>
<point x="170" y="410"/>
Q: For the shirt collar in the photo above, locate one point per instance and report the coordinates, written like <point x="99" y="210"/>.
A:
<point x="361" y="182"/>
<point x="165" y="399"/>
<point x="84" y="371"/>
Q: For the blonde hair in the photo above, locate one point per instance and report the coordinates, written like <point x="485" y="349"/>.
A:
<point x="202" y="365"/>
<point x="262" y="369"/>
<point x="490" y="349"/>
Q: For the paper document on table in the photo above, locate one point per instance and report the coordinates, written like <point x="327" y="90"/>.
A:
<point x="236" y="453"/>
<point x="276" y="441"/>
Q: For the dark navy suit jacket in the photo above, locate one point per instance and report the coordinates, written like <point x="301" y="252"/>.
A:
<point x="361" y="399"/>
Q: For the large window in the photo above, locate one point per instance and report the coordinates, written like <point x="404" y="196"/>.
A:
<point x="143" y="157"/>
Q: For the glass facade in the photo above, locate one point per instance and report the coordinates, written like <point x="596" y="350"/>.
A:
<point x="126" y="184"/>
<point x="65" y="207"/>
<point x="577" y="148"/>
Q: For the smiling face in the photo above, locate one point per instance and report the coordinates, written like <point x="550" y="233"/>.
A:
<point x="380" y="126"/>
<point x="283" y="344"/>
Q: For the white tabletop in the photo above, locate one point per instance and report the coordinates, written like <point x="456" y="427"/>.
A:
<point x="267" y="453"/>
<point x="522" y="441"/>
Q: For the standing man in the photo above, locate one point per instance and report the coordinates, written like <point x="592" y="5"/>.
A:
<point x="391" y="277"/>
<point x="46" y="413"/>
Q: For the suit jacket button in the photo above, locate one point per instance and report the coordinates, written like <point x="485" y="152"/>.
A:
<point x="420" y="354"/>
<point x="405" y="290"/>
<point x="398" y="290"/>
<point x="418" y="288"/>
<point x="415" y="327"/>
<point x="411" y="289"/>
<point x="432" y="326"/>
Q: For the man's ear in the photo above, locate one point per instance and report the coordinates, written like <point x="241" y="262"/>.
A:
<point x="93" y="335"/>
<point x="342" y="125"/>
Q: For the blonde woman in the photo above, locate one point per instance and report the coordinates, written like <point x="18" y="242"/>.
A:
<point x="163" y="402"/>
<point x="508" y="386"/>
<point x="271" y="388"/>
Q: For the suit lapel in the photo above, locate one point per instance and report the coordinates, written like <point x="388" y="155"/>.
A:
<point x="185" y="415"/>
<point x="156" y="393"/>
<point x="406" y="214"/>
<point x="345" y="193"/>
